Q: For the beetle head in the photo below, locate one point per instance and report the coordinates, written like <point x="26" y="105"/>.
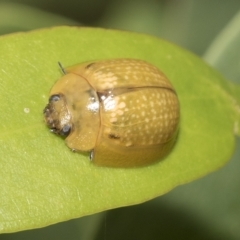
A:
<point x="57" y="116"/>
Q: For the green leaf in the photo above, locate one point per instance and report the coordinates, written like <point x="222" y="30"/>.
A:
<point x="42" y="182"/>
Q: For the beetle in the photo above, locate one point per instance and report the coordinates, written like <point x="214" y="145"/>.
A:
<point x="124" y="112"/>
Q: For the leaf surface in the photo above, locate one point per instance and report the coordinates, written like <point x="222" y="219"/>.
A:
<point x="42" y="182"/>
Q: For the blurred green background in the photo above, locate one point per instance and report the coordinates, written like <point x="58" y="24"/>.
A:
<point x="207" y="209"/>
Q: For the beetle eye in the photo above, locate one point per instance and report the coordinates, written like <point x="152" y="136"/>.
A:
<point x="65" y="130"/>
<point x="54" y="98"/>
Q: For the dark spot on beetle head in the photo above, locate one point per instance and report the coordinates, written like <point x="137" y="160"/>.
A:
<point x="54" y="98"/>
<point x="65" y="130"/>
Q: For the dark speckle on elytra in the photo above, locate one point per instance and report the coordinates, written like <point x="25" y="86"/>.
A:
<point x="113" y="136"/>
<point x="89" y="65"/>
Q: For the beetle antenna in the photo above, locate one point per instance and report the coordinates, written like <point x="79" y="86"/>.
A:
<point x="62" y="68"/>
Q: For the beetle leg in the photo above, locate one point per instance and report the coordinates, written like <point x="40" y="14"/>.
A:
<point x="91" y="155"/>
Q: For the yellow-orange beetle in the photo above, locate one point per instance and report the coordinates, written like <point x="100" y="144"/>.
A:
<point x="124" y="112"/>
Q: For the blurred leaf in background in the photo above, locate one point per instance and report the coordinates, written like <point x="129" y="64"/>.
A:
<point x="17" y="17"/>
<point x="190" y="24"/>
<point x="223" y="53"/>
